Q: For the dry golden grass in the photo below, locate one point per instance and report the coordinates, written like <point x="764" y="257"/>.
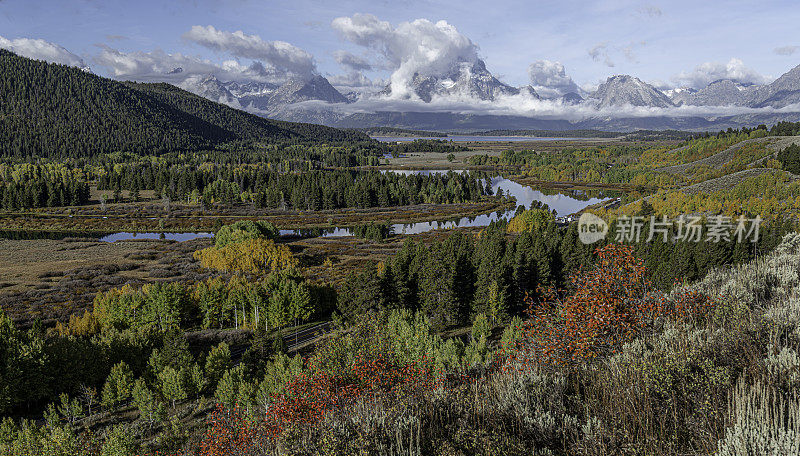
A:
<point x="23" y="263"/>
<point x="52" y="279"/>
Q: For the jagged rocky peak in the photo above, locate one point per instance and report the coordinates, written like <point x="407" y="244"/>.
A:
<point x="209" y="87"/>
<point x="353" y="96"/>
<point x="298" y="90"/>
<point x="624" y="89"/>
<point x="680" y="95"/>
<point x="530" y="91"/>
<point x="249" y="88"/>
<point x="571" y="98"/>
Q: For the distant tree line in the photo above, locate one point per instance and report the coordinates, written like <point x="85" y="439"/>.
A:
<point x="392" y="131"/>
<point x="551" y="133"/>
<point x="427" y="145"/>
<point x="783" y="128"/>
<point x="31" y="186"/>
<point x="310" y="190"/>
<point x="373" y="231"/>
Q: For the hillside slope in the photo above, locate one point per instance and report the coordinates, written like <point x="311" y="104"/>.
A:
<point x="55" y="110"/>
<point x="729" y="181"/>
<point x="720" y="159"/>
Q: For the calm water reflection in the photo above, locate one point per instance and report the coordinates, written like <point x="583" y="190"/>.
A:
<point x="562" y="203"/>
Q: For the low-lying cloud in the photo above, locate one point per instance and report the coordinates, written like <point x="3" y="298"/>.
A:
<point x="519" y="105"/>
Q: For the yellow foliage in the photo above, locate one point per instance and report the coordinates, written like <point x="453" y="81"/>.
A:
<point x="104" y="300"/>
<point x="251" y="255"/>
<point x="86" y="325"/>
<point x="772" y="195"/>
<point x="529" y="219"/>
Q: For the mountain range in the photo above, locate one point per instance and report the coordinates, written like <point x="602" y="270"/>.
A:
<point x="54" y="110"/>
<point x="471" y="80"/>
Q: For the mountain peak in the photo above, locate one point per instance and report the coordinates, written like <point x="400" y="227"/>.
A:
<point x="722" y="92"/>
<point x="298" y="90"/>
<point x="210" y="87"/>
<point x="782" y="92"/>
<point x="623" y="89"/>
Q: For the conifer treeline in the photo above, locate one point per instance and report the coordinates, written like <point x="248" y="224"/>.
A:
<point x="310" y="190"/>
<point x="790" y="158"/>
<point x="453" y="280"/>
<point x="32" y="186"/>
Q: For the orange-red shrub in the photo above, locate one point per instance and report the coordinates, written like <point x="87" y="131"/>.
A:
<point x="613" y="302"/>
<point x="305" y="401"/>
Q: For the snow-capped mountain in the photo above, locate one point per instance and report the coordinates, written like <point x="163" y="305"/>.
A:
<point x="680" y="95"/>
<point x="353" y="96"/>
<point x="471" y="80"/>
<point x="264" y="96"/>
<point x="571" y="98"/>
<point x="529" y="91"/>
<point x="250" y="88"/>
<point x="298" y="90"/>
<point x="209" y="87"/>
<point x="628" y="90"/>
<point x="465" y="79"/>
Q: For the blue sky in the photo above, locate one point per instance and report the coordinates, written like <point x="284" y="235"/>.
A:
<point x="658" y="41"/>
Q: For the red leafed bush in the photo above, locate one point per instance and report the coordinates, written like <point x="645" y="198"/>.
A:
<point x="310" y="396"/>
<point x="372" y="373"/>
<point x="232" y="433"/>
<point x="613" y="302"/>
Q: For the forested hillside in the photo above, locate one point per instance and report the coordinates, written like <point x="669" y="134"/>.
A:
<point x="56" y="110"/>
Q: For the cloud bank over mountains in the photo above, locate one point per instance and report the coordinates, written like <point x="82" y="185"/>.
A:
<point x="706" y="73"/>
<point x="419" y="48"/>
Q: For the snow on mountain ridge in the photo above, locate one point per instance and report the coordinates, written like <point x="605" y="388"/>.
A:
<point x="629" y="90"/>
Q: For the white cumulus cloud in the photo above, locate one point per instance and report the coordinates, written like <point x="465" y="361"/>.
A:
<point x="709" y="72"/>
<point x="550" y="78"/>
<point x="42" y="50"/>
<point x="160" y="66"/>
<point x="283" y="56"/>
<point x="419" y="47"/>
